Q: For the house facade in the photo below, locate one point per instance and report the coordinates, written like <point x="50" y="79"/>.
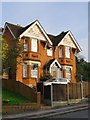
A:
<point x="43" y="52"/>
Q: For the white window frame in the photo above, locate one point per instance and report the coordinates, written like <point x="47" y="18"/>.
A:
<point x="34" y="46"/>
<point x="68" y="73"/>
<point x="67" y="52"/>
<point x="34" y="73"/>
<point x="25" y="70"/>
<point x="49" y="52"/>
<point x="26" y="44"/>
<point x="60" y="52"/>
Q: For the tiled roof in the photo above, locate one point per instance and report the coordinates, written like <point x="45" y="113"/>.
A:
<point x="16" y="29"/>
<point x="56" y="39"/>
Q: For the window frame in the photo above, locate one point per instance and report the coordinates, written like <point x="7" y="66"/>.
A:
<point x="25" y="70"/>
<point x="33" y="48"/>
<point x="68" y="74"/>
<point x="25" y="45"/>
<point x="49" y="52"/>
<point x="60" y="52"/>
<point x="67" y="52"/>
<point x="34" y="70"/>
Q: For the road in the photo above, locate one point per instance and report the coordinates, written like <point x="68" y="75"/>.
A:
<point x="77" y="114"/>
<point x="79" y="111"/>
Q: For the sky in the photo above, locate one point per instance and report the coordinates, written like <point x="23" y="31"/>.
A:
<point x="55" y="17"/>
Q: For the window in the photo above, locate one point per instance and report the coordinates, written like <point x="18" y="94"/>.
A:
<point x="60" y="52"/>
<point x="49" y="52"/>
<point x="25" y="70"/>
<point x="26" y="45"/>
<point x="34" y="70"/>
<point x="34" y="45"/>
<point x="68" y="73"/>
<point x="67" y="52"/>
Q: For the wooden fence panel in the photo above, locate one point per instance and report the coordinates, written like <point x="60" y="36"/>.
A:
<point x="20" y="88"/>
<point x="59" y="92"/>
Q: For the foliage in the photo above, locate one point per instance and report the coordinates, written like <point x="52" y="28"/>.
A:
<point x="10" y="55"/>
<point x="4" y="50"/>
<point x="12" y="98"/>
<point x="46" y="76"/>
<point x="83" y="68"/>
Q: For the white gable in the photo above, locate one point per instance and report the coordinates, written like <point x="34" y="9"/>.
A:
<point x="67" y="41"/>
<point x="70" y="41"/>
<point x="36" y="33"/>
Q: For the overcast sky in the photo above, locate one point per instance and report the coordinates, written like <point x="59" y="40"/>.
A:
<point x="55" y="17"/>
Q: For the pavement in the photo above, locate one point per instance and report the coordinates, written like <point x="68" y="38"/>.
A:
<point x="46" y="111"/>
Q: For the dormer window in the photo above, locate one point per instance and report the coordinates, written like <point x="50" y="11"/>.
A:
<point x="67" y="52"/>
<point x="49" y="51"/>
<point x="26" y="44"/>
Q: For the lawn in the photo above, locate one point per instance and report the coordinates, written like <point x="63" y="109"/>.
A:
<point x="11" y="98"/>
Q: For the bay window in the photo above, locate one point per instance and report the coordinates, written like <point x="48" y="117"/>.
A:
<point x="34" y="45"/>
<point x="49" y="51"/>
<point x="60" y="52"/>
<point x="67" y="51"/>
<point x="26" y="45"/>
<point x="34" y="70"/>
<point x="68" y="73"/>
<point x="25" y="72"/>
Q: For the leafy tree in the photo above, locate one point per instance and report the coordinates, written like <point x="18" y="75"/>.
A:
<point x="10" y="55"/>
<point x="83" y="68"/>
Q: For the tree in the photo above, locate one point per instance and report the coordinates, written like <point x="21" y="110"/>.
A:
<point x="83" y="68"/>
<point x="10" y="55"/>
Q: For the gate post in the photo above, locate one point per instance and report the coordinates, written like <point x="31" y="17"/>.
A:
<point x="51" y="94"/>
<point x="67" y="93"/>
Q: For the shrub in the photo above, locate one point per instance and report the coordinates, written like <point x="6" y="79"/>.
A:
<point x="46" y="76"/>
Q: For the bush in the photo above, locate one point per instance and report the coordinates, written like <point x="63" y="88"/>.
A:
<point x="46" y="76"/>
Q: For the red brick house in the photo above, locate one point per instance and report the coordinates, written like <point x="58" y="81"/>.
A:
<point x="43" y="52"/>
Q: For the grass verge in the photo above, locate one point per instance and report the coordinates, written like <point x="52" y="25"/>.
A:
<point x="11" y="98"/>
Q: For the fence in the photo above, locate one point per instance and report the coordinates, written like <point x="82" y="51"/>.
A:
<point x="20" y="88"/>
<point x="64" y="92"/>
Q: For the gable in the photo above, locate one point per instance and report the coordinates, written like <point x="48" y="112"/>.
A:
<point x="67" y="41"/>
<point x="36" y="32"/>
<point x="70" y="41"/>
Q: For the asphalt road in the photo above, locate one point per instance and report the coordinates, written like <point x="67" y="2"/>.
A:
<point x="77" y="114"/>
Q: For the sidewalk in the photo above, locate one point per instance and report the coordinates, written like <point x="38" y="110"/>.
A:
<point x="47" y="110"/>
